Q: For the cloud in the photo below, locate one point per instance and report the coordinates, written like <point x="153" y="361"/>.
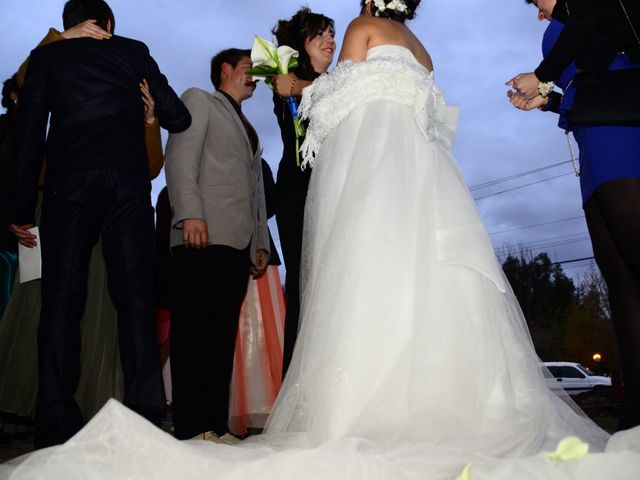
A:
<point x="476" y="47"/>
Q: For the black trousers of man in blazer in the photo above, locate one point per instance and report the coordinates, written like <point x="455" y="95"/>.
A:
<point x="97" y="184"/>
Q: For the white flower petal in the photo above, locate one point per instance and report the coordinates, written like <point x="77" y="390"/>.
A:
<point x="285" y="54"/>
<point x="260" y="55"/>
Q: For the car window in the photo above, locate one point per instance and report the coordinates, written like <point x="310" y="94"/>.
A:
<point x="555" y="371"/>
<point x="585" y="370"/>
<point x="571" y="372"/>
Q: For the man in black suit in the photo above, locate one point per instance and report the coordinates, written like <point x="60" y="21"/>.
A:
<point x="97" y="183"/>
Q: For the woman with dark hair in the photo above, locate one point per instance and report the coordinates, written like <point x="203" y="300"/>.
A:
<point x="609" y="159"/>
<point x="311" y="34"/>
<point x="413" y="359"/>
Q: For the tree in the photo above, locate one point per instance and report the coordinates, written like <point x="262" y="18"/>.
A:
<point x="590" y="328"/>
<point x="546" y="296"/>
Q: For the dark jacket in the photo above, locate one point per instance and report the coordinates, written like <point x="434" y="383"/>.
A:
<point x="270" y="202"/>
<point x="91" y="88"/>
<point x="7" y="239"/>
<point x="595" y="31"/>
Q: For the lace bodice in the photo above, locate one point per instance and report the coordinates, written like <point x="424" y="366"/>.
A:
<point x="394" y="51"/>
<point x="390" y="73"/>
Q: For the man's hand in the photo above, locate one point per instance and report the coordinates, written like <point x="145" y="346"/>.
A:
<point x="521" y="103"/>
<point x="88" y="28"/>
<point x="25" y="237"/>
<point x="526" y="84"/>
<point x="194" y="233"/>
<point x="262" y="261"/>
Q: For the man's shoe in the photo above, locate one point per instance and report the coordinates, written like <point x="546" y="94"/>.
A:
<point x="226" y="439"/>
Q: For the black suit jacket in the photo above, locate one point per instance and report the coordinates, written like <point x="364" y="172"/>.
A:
<point x="595" y="31"/>
<point x="91" y="89"/>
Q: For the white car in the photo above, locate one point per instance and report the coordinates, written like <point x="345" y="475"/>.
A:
<point x="575" y="378"/>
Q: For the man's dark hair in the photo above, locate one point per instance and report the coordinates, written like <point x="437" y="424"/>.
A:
<point x="77" y="11"/>
<point x="232" y="56"/>
<point x="8" y="86"/>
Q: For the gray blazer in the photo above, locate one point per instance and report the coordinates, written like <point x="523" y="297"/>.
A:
<point x="213" y="174"/>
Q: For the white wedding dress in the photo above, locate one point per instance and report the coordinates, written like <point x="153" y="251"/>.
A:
<point x="413" y="360"/>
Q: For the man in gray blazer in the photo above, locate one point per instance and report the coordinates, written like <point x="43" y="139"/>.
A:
<point x="218" y="234"/>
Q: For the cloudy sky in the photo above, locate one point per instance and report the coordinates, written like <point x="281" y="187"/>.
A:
<point x="476" y="46"/>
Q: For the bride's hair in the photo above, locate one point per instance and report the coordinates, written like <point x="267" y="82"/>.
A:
<point x="393" y="14"/>
<point x="294" y="32"/>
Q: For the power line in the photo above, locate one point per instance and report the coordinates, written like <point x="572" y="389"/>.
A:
<point x="538" y="225"/>
<point x="523" y="186"/>
<point x="563" y="262"/>
<point x="547" y="242"/>
<point x="497" y="181"/>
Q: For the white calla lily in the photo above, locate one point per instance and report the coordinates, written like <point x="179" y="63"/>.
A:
<point x="263" y="53"/>
<point x="285" y="54"/>
<point x="268" y="61"/>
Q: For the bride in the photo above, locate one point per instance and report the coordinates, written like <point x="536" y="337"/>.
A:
<point x="413" y="359"/>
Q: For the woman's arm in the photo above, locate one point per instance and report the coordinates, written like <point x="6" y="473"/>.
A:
<point x="152" y="138"/>
<point x="88" y="28"/>
<point x="153" y="142"/>
<point x="52" y="35"/>
<point x="289" y="85"/>
<point x="575" y="39"/>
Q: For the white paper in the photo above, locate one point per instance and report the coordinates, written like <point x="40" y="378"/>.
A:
<point x="30" y="260"/>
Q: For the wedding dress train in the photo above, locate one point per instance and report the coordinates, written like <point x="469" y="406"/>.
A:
<point x="413" y="360"/>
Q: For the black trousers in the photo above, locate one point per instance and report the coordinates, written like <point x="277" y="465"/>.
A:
<point x="77" y="209"/>
<point x="210" y="286"/>
<point x="291" y="198"/>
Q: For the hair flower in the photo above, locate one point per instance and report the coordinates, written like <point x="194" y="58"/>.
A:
<point x="396" y="5"/>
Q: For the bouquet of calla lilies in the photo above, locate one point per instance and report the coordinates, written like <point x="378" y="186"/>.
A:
<point x="269" y="60"/>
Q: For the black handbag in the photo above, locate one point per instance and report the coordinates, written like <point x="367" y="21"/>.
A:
<point x="609" y="97"/>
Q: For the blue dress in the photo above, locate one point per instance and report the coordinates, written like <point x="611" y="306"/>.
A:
<point x="606" y="152"/>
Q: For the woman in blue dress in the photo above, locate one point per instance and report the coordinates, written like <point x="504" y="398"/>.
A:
<point x="609" y="164"/>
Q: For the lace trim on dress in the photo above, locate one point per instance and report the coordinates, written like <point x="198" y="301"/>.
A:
<point x="331" y="97"/>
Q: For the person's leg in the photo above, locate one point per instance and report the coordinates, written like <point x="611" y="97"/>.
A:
<point x="291" y="196"/>
<point x="127" y="242"/>
<point x="8" y="265"/>
<point x="613" y="218"/>
<point x="210" y="285"/>
<point x="230" y="278"/>
<point x="67" y="234"/>
<point x="290" y="225"/>
<point x="189" y="351"/>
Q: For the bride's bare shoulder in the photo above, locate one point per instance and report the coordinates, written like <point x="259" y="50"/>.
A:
<point x="356" y="40"/>
<point x="360" y="24"/>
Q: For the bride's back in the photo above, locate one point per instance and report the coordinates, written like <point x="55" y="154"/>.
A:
<point x="365" y="33"/>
